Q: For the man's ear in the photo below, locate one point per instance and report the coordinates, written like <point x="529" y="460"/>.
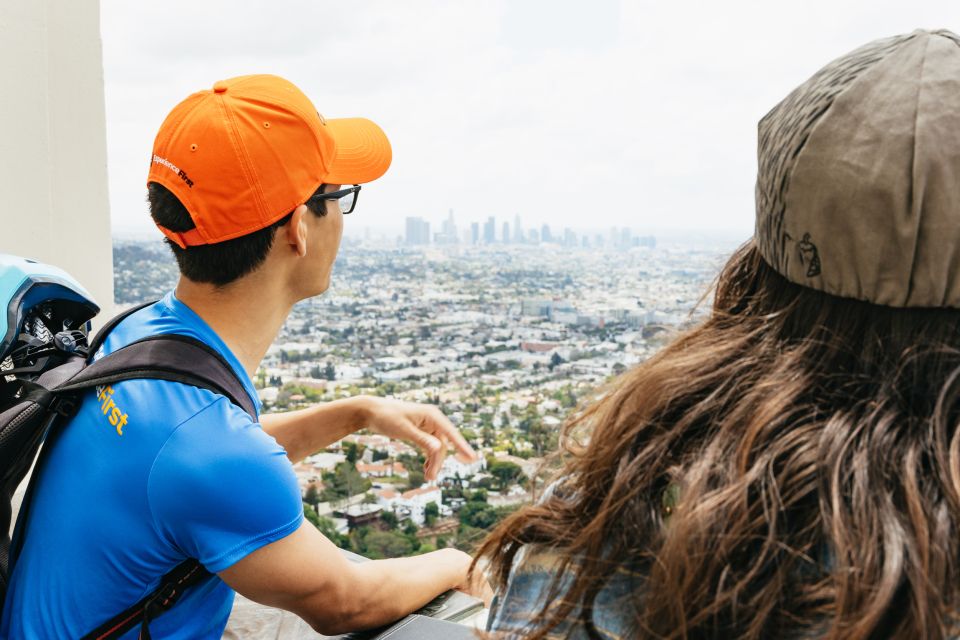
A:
<point x="296" y="230"/>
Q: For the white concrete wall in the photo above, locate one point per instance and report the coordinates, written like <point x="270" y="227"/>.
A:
<point x="53" y="147"/>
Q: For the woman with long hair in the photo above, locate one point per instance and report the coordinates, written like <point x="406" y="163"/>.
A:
<point x="790" y="468"/>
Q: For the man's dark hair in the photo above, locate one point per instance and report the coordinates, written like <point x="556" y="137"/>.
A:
<point x="221" y="263"/>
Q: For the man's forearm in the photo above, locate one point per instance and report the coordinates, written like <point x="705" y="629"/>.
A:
<point x="386" y="590"/>
<point x="306" y="431"/>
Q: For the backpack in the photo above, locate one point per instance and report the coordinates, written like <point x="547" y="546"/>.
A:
<point x="44" y="373"/>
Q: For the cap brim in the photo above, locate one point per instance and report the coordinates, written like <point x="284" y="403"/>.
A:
<point x="363" y="151"/>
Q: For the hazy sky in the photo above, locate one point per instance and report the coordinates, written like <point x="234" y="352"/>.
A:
<point x="581" y="114"/>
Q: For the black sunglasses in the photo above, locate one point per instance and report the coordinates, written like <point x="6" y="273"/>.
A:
<point x="346" y="198"/>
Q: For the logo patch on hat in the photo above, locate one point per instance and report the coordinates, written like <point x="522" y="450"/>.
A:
<point x="807" y="253"/>
<point x="177" y="170"/>
<point x="809" y="256"/>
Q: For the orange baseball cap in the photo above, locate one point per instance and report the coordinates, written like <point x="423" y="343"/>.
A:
<point x="248" y="152"/>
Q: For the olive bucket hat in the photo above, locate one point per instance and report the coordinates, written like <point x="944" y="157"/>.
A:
<point x="858" y="181"/>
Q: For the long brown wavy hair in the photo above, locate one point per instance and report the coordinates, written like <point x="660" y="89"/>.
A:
<point x="812" y="444"/>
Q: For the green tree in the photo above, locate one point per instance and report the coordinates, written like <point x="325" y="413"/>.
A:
<point x="479" y="495"/>
<point x="329" y="371"/>
<point x="312" y="496"/>
<point x="430" y="513"/>
<point x="555" y="360"/>
<point x="415" y="480"/>
<point x="479" y="515"/>
<point x="344" y="482"/>
<point x="505" y="472"/>
<point x="389" y="519"/>
<point x="352" y="451"/>
<point x="387" y="544"/>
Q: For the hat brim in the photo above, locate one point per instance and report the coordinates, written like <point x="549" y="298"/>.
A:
<point x="363" y="151"/>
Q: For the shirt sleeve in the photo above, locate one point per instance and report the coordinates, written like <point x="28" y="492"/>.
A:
<point x="221" y="488"/>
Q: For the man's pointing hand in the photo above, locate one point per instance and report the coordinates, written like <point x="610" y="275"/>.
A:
<point x="423" y="425"/>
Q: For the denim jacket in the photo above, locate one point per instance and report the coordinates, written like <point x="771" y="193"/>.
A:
<point x="528" y="585"/>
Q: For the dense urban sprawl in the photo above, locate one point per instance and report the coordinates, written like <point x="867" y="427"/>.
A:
<point x="506" y="337"/>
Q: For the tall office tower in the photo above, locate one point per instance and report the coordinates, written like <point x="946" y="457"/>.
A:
<point x="517" y="230"/>
<point x="626" y="238"/>
<point x="614" y="238"/>
<point x="545" y="234"/>
<point x="533" y="236"/>
<point x="569" y="237"/>
<point x="474" y="233"/>
<point x="506" y="233"/>
<point x="490" y="230"/>
<point x="448" y="231"/>
<point x="418" y="231"/>
<point x="413" y="230"/>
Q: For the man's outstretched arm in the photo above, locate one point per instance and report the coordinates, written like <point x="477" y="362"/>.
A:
<point x="305" y="573"/>
<point x="308" y="430"/>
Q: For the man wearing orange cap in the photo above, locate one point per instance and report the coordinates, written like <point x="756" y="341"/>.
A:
<point x="249" y="183"/>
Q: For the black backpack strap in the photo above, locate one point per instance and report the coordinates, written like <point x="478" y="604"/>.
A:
<point x="172" y="586"/>
<point x="112" y="324"/>
<point x="180" y="359"/>
<point x="165" y="357"/>
<point x="39" y="395"/>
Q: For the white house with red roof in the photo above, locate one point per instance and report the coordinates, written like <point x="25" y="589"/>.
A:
<point x="416" y="500"/>
<point x="387" y="498"/>
<point x="382" y="469"/>
<point x="453" y="467"/>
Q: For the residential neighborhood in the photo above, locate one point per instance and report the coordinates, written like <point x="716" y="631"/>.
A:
<point x="506" y="339"/>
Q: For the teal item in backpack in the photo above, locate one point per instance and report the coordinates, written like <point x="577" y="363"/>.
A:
<point x="30" y="290"/>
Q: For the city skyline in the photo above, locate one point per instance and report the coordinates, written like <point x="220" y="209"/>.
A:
<point x="616" y="113"/>
<point x="417" y="233"/>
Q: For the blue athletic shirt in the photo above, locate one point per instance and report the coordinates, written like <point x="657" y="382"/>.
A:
<point x="148" y="474"/>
